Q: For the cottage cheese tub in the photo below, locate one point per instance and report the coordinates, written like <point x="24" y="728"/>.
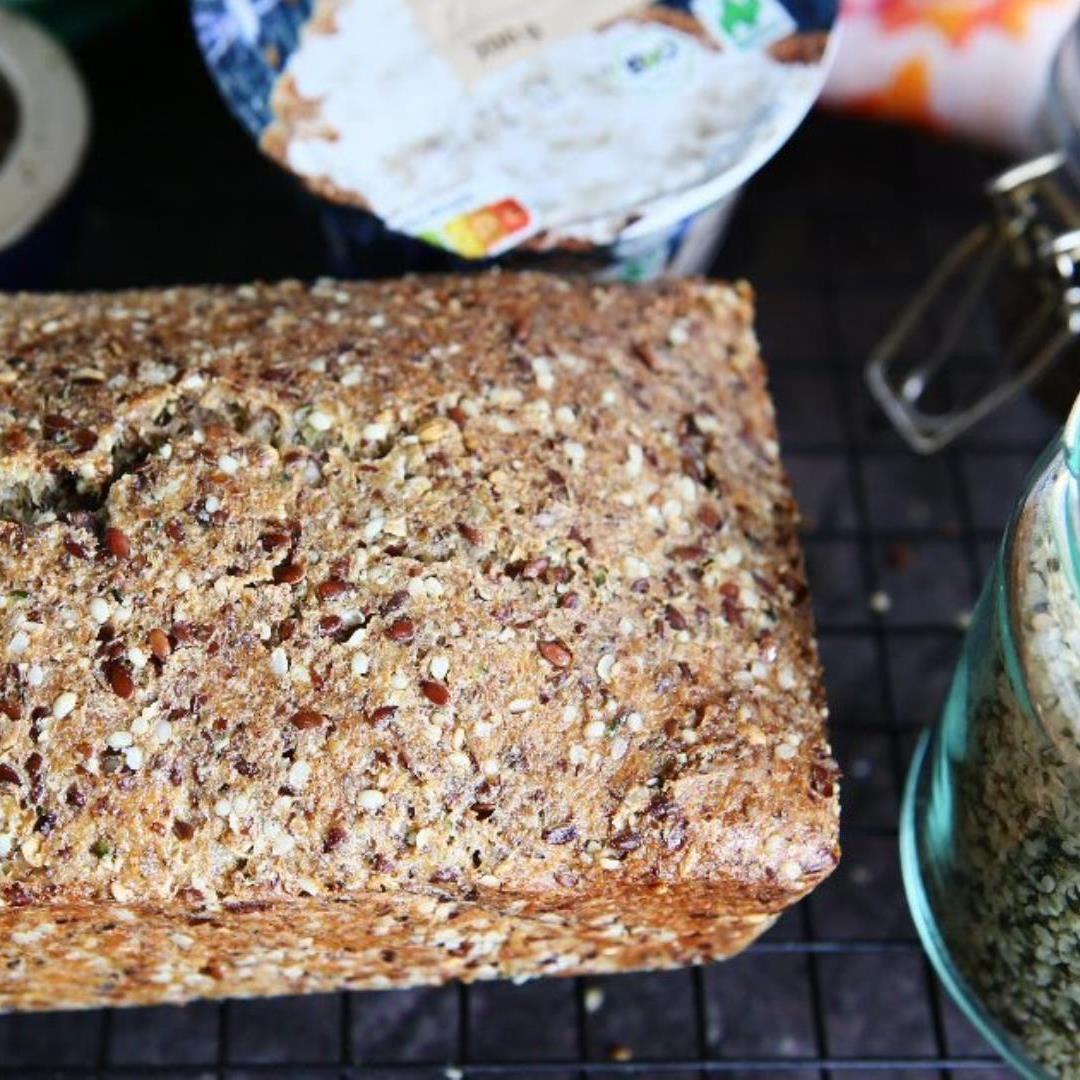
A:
<point x="590" y="134"/>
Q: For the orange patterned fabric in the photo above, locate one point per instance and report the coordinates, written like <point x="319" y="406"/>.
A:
<point x="960" y="21"/>
<point x="905" y="97"/>
<point x="974" y="67"/>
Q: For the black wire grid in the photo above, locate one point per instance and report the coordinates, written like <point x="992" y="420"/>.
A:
<point x="835" y="234"/>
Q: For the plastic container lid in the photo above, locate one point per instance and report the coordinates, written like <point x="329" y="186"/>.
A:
<point x="483" y="125"/>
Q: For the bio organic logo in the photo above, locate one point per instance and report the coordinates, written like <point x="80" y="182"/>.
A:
<point x="652" y="60"/>
<point x="649" y="59"/>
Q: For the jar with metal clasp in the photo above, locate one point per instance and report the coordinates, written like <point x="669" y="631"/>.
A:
<point x="1023" y="265"/>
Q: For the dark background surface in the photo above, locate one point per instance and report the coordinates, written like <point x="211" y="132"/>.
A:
<point x="835" y="233"/>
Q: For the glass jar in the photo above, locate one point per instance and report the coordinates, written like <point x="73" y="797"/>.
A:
<point x="1018" y="270"/>
<point x="990" y="828"/>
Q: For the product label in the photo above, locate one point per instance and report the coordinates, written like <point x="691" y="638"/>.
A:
<point x="477" y="124"/>
<point x="746" y="24"/>
<point x="654" y="60"/>
<point x="476" y="221"/>
<point x="479" y="36"/>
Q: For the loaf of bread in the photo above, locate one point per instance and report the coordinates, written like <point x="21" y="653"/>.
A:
<point x="364" y="635"/>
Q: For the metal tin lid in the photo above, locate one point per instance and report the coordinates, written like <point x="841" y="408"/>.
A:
<point x="488" y="124"/>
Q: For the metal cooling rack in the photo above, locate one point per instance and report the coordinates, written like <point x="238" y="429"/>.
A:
<point x="835" y="235"/>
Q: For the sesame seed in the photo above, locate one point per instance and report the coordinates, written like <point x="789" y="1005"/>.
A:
<point x="424" y="837"/>
<point x="520" y="705"/>
<point x="545" y="379"/>
<point x="371" y="799"/>
<point x="619" y="748"/>
<point x="282" y="844"/>
<point x="785" y="752"/>
<point x="212" y="504"/>
<point x="36" y="675"/>
<point x="460" y="760"/>
<point x="137" y="658"/>
<point x="490" y="767"/>
<point x="634" y="460"/>
<point x="610" y="864"/>
<point x="320" y="421"/>
<point x="373" y="528"/>
<point x="439" y="666"/>
<point x="182" y="581"/>
<point x="482" y="729"/>
<point x="604" y="666"/>
<point x="678" y="334"/>
<point x="375" y="432"/>
<point x="361" y="664"/>
<point x="163" y="731"/>
<point x="880" y="602"/>
<point x="64" y="704"/>
<point x="134" y="758"/>
<point x="5" y="846"/>
<point x="505" y="396"/>
<point x="594" y="999"/>
<point x="564" y="415"/>
<point x="19" y="643"/>
<point x="730" y="557"/>
<point x="299" y="774"/>
<point x="594" y="729"/>
<point x="578" y="754"/>
<point x="119" y="740"/>
<point x="438" y="427"/>
<point x="228" y="464"/>
<point x="279" y="662"/>
<point x="99" y="609"/>
<point x="687" y="489"/>
<point x="575" y="453"/>
<point x="165" y="451"/>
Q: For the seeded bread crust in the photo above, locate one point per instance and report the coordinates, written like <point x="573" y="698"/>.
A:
<point x="376" y="634"/>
